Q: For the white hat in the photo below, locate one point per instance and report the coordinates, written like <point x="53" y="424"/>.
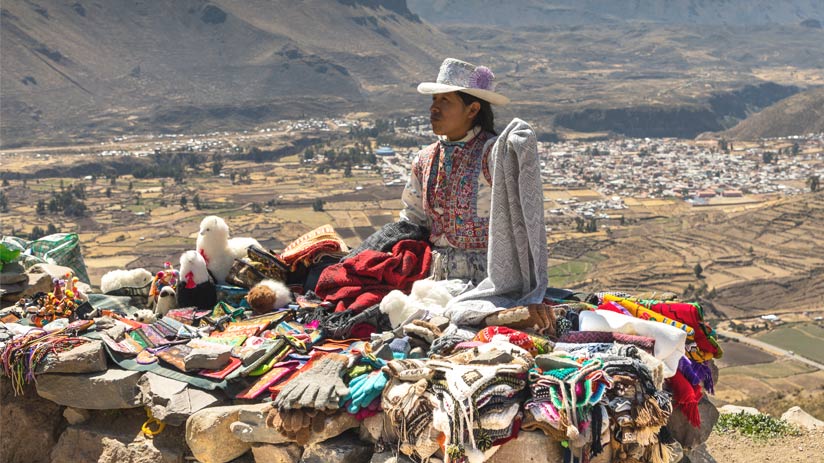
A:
<point x="459" y="76"/>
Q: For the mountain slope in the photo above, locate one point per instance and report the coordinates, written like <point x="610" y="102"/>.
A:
<point x="104" y="67"/>
<point x="519" y="13"/>
<point x="799" y="114"/>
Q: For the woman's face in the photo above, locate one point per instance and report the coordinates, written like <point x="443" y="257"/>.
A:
<point x="449" y="115"/>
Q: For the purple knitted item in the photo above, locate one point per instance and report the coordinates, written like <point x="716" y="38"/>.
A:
<point x="696" y="372"/>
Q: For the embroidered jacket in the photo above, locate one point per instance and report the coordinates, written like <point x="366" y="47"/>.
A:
<point x="450" y="191"/>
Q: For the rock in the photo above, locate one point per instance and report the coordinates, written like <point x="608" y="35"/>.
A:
<point x="94" y="391"/>
<point x="685" y="433"/>
<point x="76" y="415"/>
<point x="345" y="448"/>
<point x="173" y="401"/>
<point x="802" y="419"/>
<point x="115" y="332"/>
<point x="52" y="270"/>
<point x="36" y="424"/>
<point x="257" y="434"/>
<point x="207" y="355"/>
<point x="209" y="437"/>
<point x="699" y="454"/>
<point x="13" y="273"/>
<point x="390" y="457"/>
<point x="372" y="429"/>
<point x="529" y="447"/>
<point x="271" y="453"/>
<point x="82" y="444"/>
<point x="735" y="409"/>
<point x="11" y="292"/>
<point x="85" y="358"/>
<point x="38" y="282"/>
<point x="251" y="426"/>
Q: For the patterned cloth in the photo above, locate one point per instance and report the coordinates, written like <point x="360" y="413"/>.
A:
<point x="313" y="246"/>
<point x="692" y="315"/>
<point x="450" y="263"/>
<point x="449" y="191"/>
<point x="517" y="256"/>
<point x="582" y="337"/>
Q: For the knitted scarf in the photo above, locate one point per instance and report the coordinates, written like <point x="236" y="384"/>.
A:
<point x="686" y="397"/>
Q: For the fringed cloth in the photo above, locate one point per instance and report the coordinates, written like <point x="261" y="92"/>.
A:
<point x="22" y="355"/>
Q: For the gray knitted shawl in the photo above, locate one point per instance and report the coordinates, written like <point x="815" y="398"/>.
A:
<point x="517" y="254"/>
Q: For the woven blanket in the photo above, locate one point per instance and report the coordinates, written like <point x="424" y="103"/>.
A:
<point x="362" y="281"/>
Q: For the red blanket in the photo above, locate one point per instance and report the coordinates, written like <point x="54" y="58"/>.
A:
<point x="689" y="315"/>
<point x="362" y="281"/>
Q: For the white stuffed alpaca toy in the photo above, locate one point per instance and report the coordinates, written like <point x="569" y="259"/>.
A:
<point x="117" y="279"/>
<point x="214" y="245"/>
<point x="195" y="288"/>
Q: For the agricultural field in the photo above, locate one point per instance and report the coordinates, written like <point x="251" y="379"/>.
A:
<point x="805" y="339"/>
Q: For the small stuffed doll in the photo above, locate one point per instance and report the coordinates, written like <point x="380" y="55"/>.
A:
<point x="195" y="288"/>
<point x="166" y="277"/>
<point x="166" y="301"/>
<point x="268" y="295"/>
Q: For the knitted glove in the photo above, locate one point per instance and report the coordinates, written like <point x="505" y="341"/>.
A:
<point x="320" y="387"/>
<point x="538" y="317"/>
<point x="364" y="389"/>
<point x="400" y="348"/>
<point x="290" y="421"/>
<point x="421" y="330"/>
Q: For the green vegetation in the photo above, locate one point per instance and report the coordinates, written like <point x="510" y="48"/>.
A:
<point x="563" y="274"/>
<point x="805" y="339"/>
<point x="756" y="426"/>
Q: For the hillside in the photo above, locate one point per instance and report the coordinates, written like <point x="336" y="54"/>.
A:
<point x="566" y="12"/>
<point x="758" y="259"/>
<point x="799" y="114"/>
<point x="75" y="69"/>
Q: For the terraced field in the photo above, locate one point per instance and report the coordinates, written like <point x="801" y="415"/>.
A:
<point x="758" y="259"/>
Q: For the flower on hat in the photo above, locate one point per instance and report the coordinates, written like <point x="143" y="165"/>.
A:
<point x="482" y="77"/>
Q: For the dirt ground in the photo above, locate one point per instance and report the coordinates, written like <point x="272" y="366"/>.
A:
<point x="732" y="448"/>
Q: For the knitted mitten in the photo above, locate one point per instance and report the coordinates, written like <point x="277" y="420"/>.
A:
<point x="364" y="389"/>
<point x="320" y="387"/>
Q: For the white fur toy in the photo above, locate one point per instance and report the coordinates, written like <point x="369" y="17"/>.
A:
<point x="166" y="301"/>
<point x="195" y="288"/>
<point x="193" y="269"/>
<point x="268" y="295"/>
<point x="145" y="316"/>
<point x="214" y="245"/>
<point x="428" y="297"/>
<point x="117" y="279"/>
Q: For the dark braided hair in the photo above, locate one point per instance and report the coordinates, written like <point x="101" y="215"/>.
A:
<point x="484" y="118"/>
